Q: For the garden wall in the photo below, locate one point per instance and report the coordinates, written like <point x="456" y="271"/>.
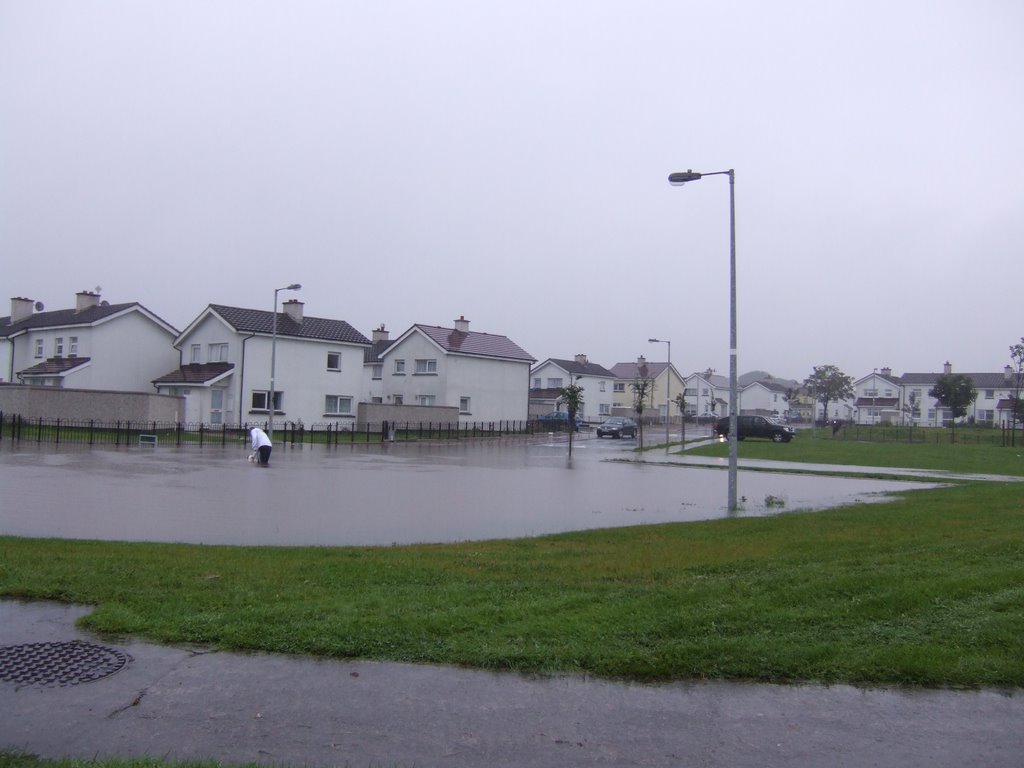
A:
<point x="80" y="404"/>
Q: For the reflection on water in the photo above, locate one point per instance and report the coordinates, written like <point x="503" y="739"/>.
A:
<point x="375" y="494"/>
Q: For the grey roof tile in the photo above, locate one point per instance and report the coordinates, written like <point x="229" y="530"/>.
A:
<point x="474" y="343"/>
<point x="262" y="321"/>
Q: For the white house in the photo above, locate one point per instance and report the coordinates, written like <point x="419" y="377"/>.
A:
<point x="484" y="375"/>
<point x="764" y="398"/>
<point x="553" y="374"/>
<point x="878" y="398"/>
<point x="993" y="405"/>
<point x="707" y="396"/>
<point x="225" y="367"/>
<point x="96" y="345"/>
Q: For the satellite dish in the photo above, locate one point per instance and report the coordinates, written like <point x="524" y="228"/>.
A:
<point x="104" y="303"/>
<point x="39" y="306"/>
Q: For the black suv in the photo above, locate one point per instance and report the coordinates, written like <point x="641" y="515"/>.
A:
<point x="756" y="426"/>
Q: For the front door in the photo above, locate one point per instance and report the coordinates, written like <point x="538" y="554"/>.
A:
<point x="217" y="405"/>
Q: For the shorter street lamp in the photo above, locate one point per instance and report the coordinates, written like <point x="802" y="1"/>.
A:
<point x="668" y="387"/>
<point x="273" y="356"/>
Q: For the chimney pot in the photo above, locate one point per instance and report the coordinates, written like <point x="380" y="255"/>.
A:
<point x="947" y="368"/>
<point x="380" y="334"/>
<point x="581" y="359"/>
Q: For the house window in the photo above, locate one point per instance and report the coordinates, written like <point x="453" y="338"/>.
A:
<point x="555" y="383"/>
<point x="72" y="346"/>
<point x="218" y="353"/>
<point x="705" y="392"/>
<point x="196" y="355"/>
<point x="39" y="347"/>
<point x="337" y="405"/>
<point x="537" y="383"/>
<point x="425" y="399"/>
<point x="604" y="409"/>
<point x="600" y="385"/>
<point x="261" y="396"/>
<point x="990" y="394"/>
<point x="619" y="386"/>
<point x="377" y="400"/>
<point x="399" y="400"/>
<point x="399" y="367"/>
<point x="690" y="392"/>
<point x="931" y="413"/>
<point x="333" y="361"/>
<point x="378" y="372"/>
<point x="870" y="393"/>
<point x="986" y="416"/>
<point x="426" y="366"/>
<point x="58" y="347"/>
<point x="464" y="405"/>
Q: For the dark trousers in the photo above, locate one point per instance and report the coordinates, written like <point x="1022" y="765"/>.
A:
<point x="264" y="454"/>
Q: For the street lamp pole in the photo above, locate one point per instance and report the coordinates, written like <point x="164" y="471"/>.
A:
<point x="668" y="388"/>
<point x="678" y="179"/>
<point x="273" y="357"/>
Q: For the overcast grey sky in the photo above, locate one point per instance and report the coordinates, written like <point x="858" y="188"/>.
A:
<point x="507" y="161"/>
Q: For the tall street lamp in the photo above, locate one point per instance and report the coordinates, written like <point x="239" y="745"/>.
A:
<point x="678" y="179"/>
<point x="668" y="387"/>
<point x="273" y="356"/>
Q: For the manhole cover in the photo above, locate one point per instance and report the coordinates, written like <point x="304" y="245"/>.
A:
<point x="58" y="664"/>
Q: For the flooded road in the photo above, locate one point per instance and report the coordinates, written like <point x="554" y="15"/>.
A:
<point x="378" y="494"/>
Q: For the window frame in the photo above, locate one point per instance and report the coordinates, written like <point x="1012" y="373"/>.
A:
<point x="337" y="359"/>
<point x="278" y="401"/>
<point x="58" y="346"/>
<point x="425" y="366"/>
<point x="338" y="400"/>
<point x="40" y="348"/>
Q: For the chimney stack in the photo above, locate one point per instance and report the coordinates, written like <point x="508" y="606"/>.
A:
<point x="462" y="324"/>
<point x="379" y="334"/>
<point x="86" y="300"/>
<point x="581" y="359"/>
<point x="20" y="309"/>
<point x="293" y="308"/>
<point x="887" y="372"/>
<point x="947" y="368"/>
<point x="1008" y="373"/>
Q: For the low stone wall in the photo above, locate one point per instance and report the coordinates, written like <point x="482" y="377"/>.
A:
<point x="82" y="404"/>
<point x="378" y="413"/>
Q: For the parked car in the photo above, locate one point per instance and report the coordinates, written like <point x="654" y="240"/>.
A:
<point x="756" y="426"/>
<point x="617" y="426"/>
<point x="559" y="418"/>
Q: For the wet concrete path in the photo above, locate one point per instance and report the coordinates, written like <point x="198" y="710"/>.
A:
<point x="186" y="703"/>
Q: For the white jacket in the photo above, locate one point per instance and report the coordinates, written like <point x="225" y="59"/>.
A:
<point x="259" y="438"/>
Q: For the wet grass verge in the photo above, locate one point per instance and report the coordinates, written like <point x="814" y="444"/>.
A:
<point x="958" y="457"/>
<point x="925" y="590"/>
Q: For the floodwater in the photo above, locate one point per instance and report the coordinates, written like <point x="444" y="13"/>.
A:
<point x="379" y="494"/>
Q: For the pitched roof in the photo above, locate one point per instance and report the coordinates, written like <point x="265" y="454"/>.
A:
<point x="581" y="369"/>
<point x="981" y="380"/>
<point x="474" y="343"/>
<point x="372" y="353"/>
<point x="262" y="321"/>
<point x="60" y="318"/>
<point x="54" y="366"/>
<point x="631" y="370"/>
<point x="195" y="373"/>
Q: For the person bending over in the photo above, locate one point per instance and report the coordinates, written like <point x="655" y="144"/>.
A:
<point x="261" y="446"/>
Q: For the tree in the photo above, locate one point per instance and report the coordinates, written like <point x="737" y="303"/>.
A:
<point x="954" y="391"/>
<point x="572" y="397"/>
<point x="642" y="390"/>
<point x="828" y="384"/>
<point x="1017" y="413"/>
<point x="681" y="402"/>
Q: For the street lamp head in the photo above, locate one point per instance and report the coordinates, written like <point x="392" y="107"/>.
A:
<point x="681" y="177"/>
<point x="293" y="287"/>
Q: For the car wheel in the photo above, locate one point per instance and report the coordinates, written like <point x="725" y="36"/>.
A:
<point x="778" y="437"/>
